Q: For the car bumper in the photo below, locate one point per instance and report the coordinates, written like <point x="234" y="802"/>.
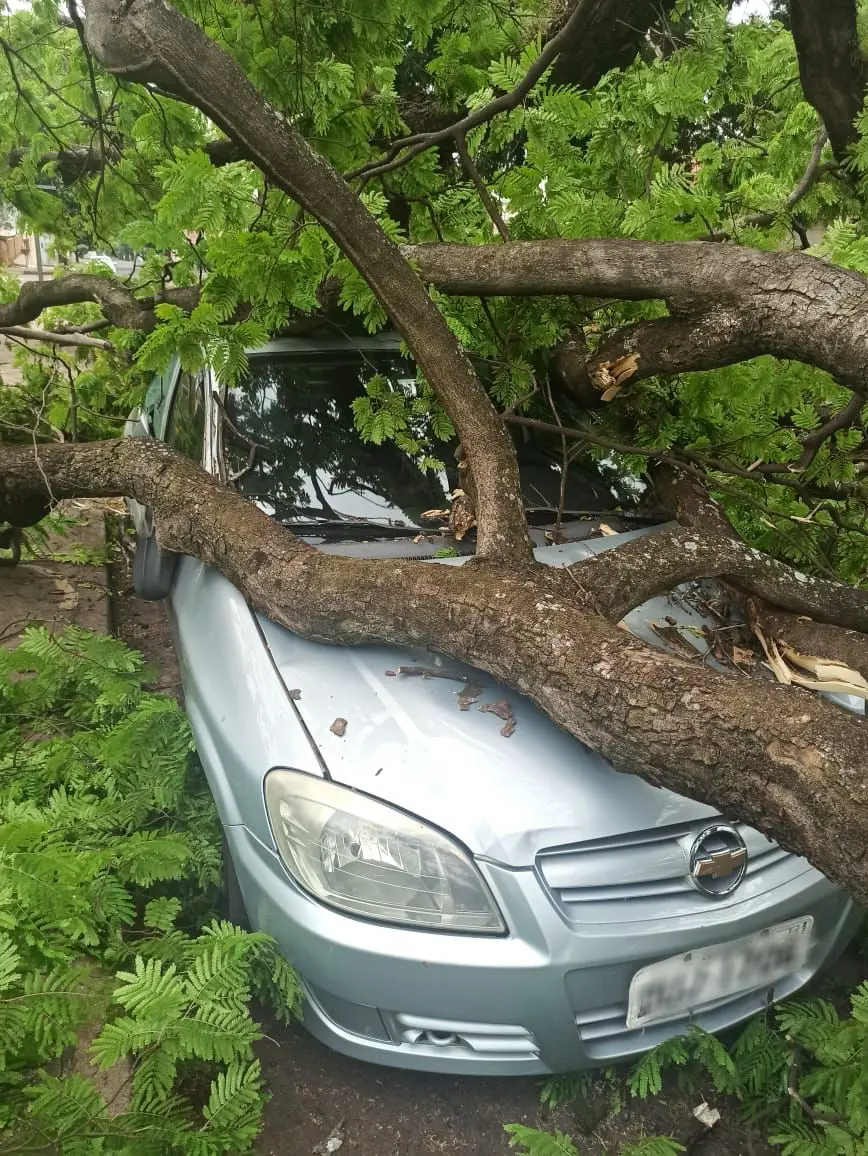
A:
<point x="547" y="997"/>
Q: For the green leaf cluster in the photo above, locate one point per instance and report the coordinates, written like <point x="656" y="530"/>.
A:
<point x="109" y="863"/>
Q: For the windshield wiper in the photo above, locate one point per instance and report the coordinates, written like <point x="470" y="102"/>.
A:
<point x="349" y="528"/>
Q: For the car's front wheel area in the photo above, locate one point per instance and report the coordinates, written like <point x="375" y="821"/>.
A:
<point x="232" y="898"/>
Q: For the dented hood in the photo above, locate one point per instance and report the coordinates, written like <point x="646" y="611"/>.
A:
<point x="408" y="742"/>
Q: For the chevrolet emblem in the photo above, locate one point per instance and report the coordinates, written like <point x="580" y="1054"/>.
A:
<point x="719" y="864"/>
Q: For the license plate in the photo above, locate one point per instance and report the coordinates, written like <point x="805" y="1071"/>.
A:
<point x="676" y="986"/>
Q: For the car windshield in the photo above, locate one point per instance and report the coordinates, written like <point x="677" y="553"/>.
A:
<point x="290" y="444"/>
<point x="291" y="438"/>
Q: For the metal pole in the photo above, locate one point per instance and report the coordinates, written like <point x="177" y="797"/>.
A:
<point x="40" y="272"/>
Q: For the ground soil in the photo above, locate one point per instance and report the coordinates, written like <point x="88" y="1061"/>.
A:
<point x="315" y="1093"/>
<point x="57" y="593"/>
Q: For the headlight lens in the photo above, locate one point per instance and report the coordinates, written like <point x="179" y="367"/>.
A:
<point x="365" y="857"/>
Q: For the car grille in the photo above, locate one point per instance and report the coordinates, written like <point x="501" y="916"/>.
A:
<point x="645" y="874"/>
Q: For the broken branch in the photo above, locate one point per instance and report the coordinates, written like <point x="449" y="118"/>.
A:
<point x="55" y="337"/>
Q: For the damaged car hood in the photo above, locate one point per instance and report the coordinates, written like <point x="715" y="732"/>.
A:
<point x="407" y="740"/>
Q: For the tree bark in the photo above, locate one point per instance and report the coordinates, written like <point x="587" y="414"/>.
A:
<point x="808" y="637"/>
<point x="609" y="37"/>
<point x="146" y="40"/>
<point x="832" y="67"/>
<point x="623" y="578"/>
<point x="735" y="302"/>
<point x="789" y="763"/>
<point x="118" y="303"/>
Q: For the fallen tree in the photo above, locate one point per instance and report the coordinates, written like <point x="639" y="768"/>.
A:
<point x="790" y="763"/>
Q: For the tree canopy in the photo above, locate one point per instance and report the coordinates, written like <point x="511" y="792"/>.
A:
<point x="646" y="224"/>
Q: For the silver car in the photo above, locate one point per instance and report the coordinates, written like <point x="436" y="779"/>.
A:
<point x="455" y="897"/>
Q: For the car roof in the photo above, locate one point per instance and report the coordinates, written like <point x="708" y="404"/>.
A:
<point x="326" y="344"/>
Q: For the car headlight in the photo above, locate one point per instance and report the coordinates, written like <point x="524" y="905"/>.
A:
<point x="359" y="855"/>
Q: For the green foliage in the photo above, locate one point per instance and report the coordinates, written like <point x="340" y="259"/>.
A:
<point x="802" y="1074"/>
<point x="697" y="1048"/>
<point x="108" y="846"/>
<point x="533" y="1142"/>
<point x="686" y="142"/>
<point x="654" y="1146"/>
<point x="799" y="1073"/>
<point x="404" y="412"/>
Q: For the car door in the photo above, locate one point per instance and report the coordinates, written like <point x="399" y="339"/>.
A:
<point x="149" y="420"/>
<point x="178" y="415"/>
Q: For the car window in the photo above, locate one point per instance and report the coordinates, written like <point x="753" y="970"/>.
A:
<point x="186" y="429"/>
<point x="157" y="397"/>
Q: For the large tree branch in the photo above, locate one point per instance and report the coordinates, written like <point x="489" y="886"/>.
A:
<point x="665" y="346"/>
<point x="791" y="764"/>
<point x="628" y="575"/>
<point x="831" y="65"/>
<point x="120" y="306"/>
<point x="147" y="40"/>
<point x="738" y="302"/>
<point x="731" y="304"/>
<point x="806" y="637"/>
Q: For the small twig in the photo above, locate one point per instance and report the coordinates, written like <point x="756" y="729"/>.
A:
<point x="792" y="1091"/>
<point x="100" y="126"/>
<point x="246" y="468"/>
<point x="481" y="187"/>
<point x="586" y="594"/>
<point x="428" y="672"/>
<point x="813" y="171"/>
<point x="565" y="464"/>
<point x="835" y="492"/>
<point x="253" y="446"/>
<point x="90" y="327"/>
